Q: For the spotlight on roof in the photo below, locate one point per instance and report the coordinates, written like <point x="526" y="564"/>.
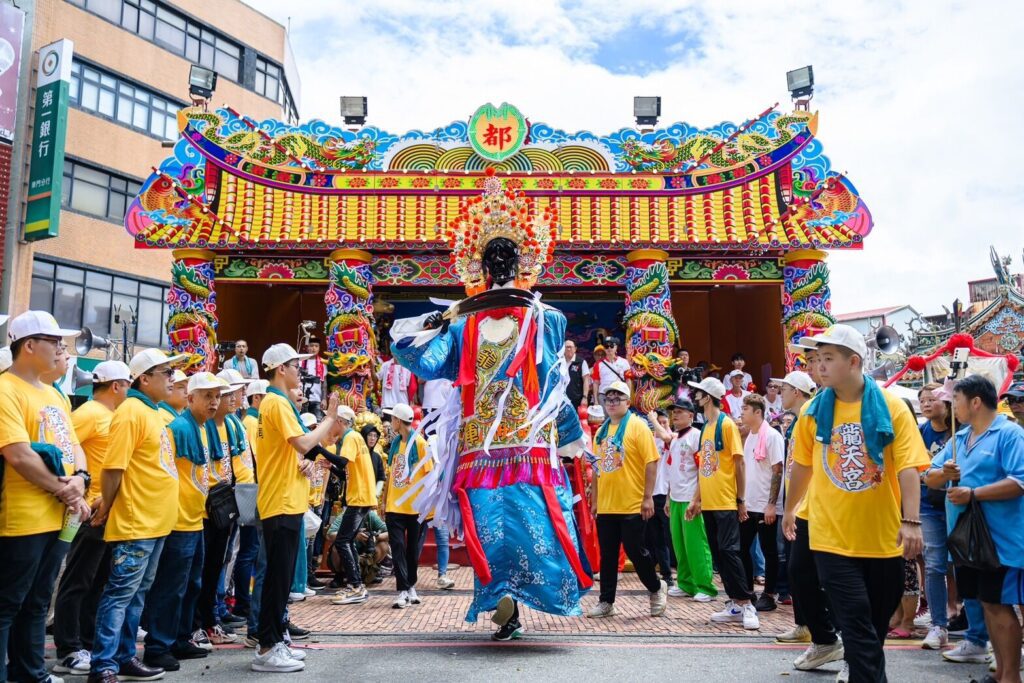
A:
<point x="800" y="82"/>
<point x="646" y="110"/>
<point x="202" y="82"/>
<point x="353" y="109"/>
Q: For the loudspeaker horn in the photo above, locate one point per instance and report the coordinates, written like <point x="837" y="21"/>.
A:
<point x="887" y="339"/>
<point x="80" y="378"/>
<point x="87" y="341"/>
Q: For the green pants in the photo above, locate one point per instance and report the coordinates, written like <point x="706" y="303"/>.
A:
<point x="693" y="555"/>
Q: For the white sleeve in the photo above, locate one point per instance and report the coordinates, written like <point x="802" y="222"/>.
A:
<point x="776" y="447"/>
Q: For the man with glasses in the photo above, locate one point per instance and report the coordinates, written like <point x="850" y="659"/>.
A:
<point x="139" y="494"/>
<point x="44" y="477"/>
<point x="1014" y="398"/>
<point x="611" y="368"/>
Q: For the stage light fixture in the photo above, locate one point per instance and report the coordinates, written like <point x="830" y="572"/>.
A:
<point x="202" y="82"/>
<point x="800" y="82"/>
<point x="646" y="110"/>
<point x="353" y="109"/>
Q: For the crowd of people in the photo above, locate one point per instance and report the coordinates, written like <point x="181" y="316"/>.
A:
<point x="192" y="510"/>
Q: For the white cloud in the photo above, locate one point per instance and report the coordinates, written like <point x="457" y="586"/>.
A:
<point x="919" y="100"/>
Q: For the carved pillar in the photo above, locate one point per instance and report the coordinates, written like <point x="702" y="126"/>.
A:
<point x="192" y="323"/>
<point x="651" y="332"/>
<point x="351" y="342"/>
<point x="806" y="298"/>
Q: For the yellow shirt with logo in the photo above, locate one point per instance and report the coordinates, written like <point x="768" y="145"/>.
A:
<point x="362" y="485"/>
<point x="29" y="413"/>
<point x="319" y="478"/>
<point x="717" y="469"/>
<point x="283" y="489"/>
<point x="801" y="508"/>
<point x="620" y="490"/>
<point x="400" y="479"/>
<point x="854" y="504"/>
<point x="242" y="464"/>
<point x="193" y="485"/>
<point x="92" y="426"/>
<point x="146" y="505"/>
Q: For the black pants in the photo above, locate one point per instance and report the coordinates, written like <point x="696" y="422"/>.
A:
<point x="78" y="595"/>
<point x="404" y="536"/>
<point x="627" y="530"/>
<point x="215" y="542"/>
<point x="864" y="592"/>
<point x="724" y="527"/>
<point x="351" y="520"/>
<point x="767" y="536"/>
<point x="810" y="603"/>
<point x="658" y="537"/>
<point x="281" y="540"/>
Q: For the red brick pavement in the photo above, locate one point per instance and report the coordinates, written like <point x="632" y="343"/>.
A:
<point x="445" y="612"/>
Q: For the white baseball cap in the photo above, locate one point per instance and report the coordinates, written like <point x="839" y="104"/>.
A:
<point x="308" y="419"/>
<point x="797" y="379"/>
<point x="110" y="371"/>
<point x="146" y="360"/>
<point x="205" y="380"/>
<point x="233" y="377"/>
<point x="595" y="414"/>
<point x="839" y="335"/>
<point x="402" y="411"/>
<point x="6" y="361"/>
<point x="279" y="354"/>
<point x="800" y="349"/>
<point x="346" y="413"/>
<point x="37" y="323"/>
<point x="734" y="373"/>
<point x="179" y="376"/>
<point x="619" y="386"/>
<point x="257" y="387"/>
<point x="710" y="386"/>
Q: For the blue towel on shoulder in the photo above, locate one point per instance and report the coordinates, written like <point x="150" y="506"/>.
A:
<point x="876" y="422"/>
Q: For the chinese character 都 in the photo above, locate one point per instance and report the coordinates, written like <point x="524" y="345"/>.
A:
<point x="44" y="129"/>
<point x="48" y="98"/>
<point x="497" y="136"/>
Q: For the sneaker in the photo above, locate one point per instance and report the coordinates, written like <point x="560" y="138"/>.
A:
<point x="750" y="620"/>
<point x="765" y="603"/>
<point x="414" y="598"/>
<point x="251" y="641"/>
<point x="731" y="613"/>
<point x="957" y="625"/>
<point x="659" y="600"/>
<point x="297" y="654"/>
<point x="677" y="592"/>
<point x="797" y="634"/>
<point x="100" y="677"/>
<point x="844" y="673"/>
<point x="510" y="631"/>
<point x="602" y="609"/>
<point x="187" y="651"/>
<point x="277" y="659"/>
<point x="76" y="663"/>
<point x="967" y="652"/>
<point x="218" y="636"/>
<point x="785" y="599"/>
<point x="314" y="583"/>
<point x="310" y="593"/>
<point x="936" y="639"/>
<point x="703" y="597"/>
<point x="402" y="601"/>
<point x="444" y="583"/>
<point x="200" y="639"/>
<point x="233" y="620"/>
<point x="53" y="679"/>
<point x="164" y="660"/>
<point x="335" y="584"/>
<point x="505" y="610"/>
<point x="353" y="596"/>
<point x="293" y="632"/>
<point x="818" y="655"/>
<point x="134" y="670"/>
<point x="923" y="620"/>
<point x="140" y="634"/>
<point x="296" y="597"/>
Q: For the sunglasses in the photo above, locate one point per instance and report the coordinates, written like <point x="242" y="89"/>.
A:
<point x="1012" y="400"/>
<point x="166" y="372"/>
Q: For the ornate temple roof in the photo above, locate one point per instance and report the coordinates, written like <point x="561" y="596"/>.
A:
<point x="237" y="184"/>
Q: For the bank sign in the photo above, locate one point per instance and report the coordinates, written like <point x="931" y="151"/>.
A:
<point x="46" y="172"/>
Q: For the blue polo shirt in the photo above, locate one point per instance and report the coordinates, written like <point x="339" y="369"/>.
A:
<point x="996" y="455"/>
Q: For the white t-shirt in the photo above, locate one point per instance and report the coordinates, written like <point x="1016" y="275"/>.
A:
<point x="759" y="474"/>
<point x="435" y="393"/>
<point x="607" y="375"/>
<point x="660" y="481"/>
<point x="735" y="403"/>
<point x="394" y="384"/>
<point x="681" y="468"/>
<point x="773" y="408"/>
<point x="315" y="390"/>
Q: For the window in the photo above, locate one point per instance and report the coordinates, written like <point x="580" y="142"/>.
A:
<point x="78" y="296"/>
<point x="90" y="190"/>
<point x="271" y="83"/>
<point x="134" y="106"/>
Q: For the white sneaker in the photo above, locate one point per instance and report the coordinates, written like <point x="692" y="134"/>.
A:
<point x="76" y="663"/>
<point x="797" y="634"/>
<point x="750" y="620"/>
<point x="602" y="609"/>
<point x="844" y="673"/>
<point x="296" y="654"/>
<point x="402" y="601"/>
<point x="923" y="621"/>
<point x="296" y="597"/>
<point x="936" y="639"/>
<point x="677" y="592"/>
<point x="200" y="639"/>
<point x="310" y="593"/>
<point x="444" y="583"/>
<point x="703" y="597"/>
<point x="277" y="659"/>
<point x="731" y="613"/>
<point x="967" y="652"/>
<point x="818" y="655"/>
<point x="218" y="636"/>
<point x="659" y="600"/>
<point x="414" y="598"/>
<point x="53" y="679"/>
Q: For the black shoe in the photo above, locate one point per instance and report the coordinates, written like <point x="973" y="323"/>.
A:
<point x="102" y="677"/>
<point x="958" y="624"/>
<point x="233" y="620"/>
<point x="188" y="651"/>
<point x="228" y="628"/>
<point x="295" y="632"/>
<point x="335" y="584"/>
<point x="510" y="631"/>
<point x="165" y="661"/>
<point x="314" y="583"/>
<point x="765" y="603"/>
<point x="134" y="670"/>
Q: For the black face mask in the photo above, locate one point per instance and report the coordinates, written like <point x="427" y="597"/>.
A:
<point x="501" y="260"/>
<point x="697" y="402"/>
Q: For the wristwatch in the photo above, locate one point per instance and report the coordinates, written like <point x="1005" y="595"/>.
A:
<point x="740" y="501"/>
<point x="86" y="477"/>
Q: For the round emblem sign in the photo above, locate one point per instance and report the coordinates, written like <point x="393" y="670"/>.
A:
<point x="51" y="60"/>
<point x="496" y="133"/>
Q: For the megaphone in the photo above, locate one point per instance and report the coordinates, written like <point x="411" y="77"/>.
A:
<point x="887" y="339"/>
<point x="87" y="341"/>
<point x="80" y="378"/>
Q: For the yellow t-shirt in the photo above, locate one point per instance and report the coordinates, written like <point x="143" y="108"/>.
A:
<point x="854" y="505"/>
<point x="717" y="469"/>
<point x="801" y="508"/>
<point x="252" y="427"/>
<point x="283" y="490"/>
<point x="220" y="470"/>
<point x="193" y="485"/>
<point x="620" y="490"/>
<point x="27" y="414"/>
<point x="146" y="505"/>
<point x="166" y="415"/>
<point x="242" y="463"/>
<point x="362" y="485"/>
<point x="399" y="479"/>
<point x="92" y="426"/>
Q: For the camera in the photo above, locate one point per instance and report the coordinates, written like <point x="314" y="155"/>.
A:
<point x="692" y="375"/>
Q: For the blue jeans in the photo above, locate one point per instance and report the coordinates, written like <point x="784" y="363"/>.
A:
<point x="172" y="600"/>
<point x="245" y="562"/>
<point x="758" y="557"/>
<point x="301" y="565"/>
<point x="441" y="543"/>
<point x="977" y="633"/>
<point x="133" y="566"/>
<point x="936" y="563"/>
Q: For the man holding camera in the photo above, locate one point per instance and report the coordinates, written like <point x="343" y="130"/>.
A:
<point x="313" y="374"/>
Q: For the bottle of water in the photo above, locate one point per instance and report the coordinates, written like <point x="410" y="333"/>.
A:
<point x="72" y="520"/>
